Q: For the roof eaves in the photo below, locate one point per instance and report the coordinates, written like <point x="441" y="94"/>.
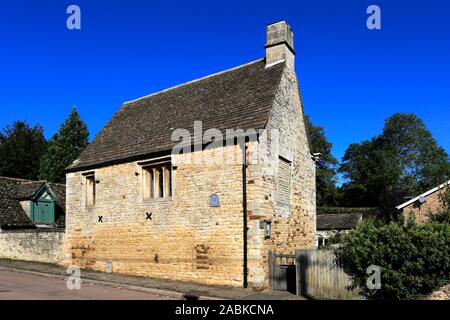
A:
<point x="426" y="194"/>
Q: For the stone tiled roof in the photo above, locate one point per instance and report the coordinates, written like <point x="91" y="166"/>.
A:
<point x="344" y="221"/>
<point x="59" y="191"/>
<point x="12" y="214"/>
<point x="240" y="98"/>
<point x="12" y="191"/>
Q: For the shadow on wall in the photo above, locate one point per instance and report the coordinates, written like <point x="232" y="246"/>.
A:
<point x="302" y="284"/>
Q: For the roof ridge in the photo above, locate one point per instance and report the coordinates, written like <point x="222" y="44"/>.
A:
<point x="27" y="181"/>
<point x="56" y="183"/>
<point x="36" y="181"/>
<point x="17" y="179"/>
<point x="195" y="80"/>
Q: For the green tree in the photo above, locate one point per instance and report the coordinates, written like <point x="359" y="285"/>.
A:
<point x="404" y="160"/>
<point x="414" y="258"/>
<point x="64" y="147"/>
<point x="327" y="192"/>
<point x="21" y="148"/>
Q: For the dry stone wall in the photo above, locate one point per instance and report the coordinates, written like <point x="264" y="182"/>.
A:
<point x="42" y="245"/>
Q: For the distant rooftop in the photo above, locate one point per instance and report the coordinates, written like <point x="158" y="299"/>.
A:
<point x="343" y="221"/>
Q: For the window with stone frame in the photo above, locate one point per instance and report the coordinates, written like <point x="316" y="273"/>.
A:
<point x="90" y="189"/>
<point x="157" y="180"/>
<point x="284" y="183"/>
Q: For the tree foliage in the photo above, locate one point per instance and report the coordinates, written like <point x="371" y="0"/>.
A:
<point x="443" y="213"/>
<point x="327" y="192"/>
<point x="414" y="259"/>
<point x="404" y="160"/>
<point x="21" y="148"/>
<point x="64" y="147"/>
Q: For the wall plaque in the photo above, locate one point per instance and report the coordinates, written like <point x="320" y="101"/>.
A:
<point x="214" y="201"/>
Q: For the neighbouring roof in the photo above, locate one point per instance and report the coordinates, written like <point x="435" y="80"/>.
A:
<point x="343" y="221"/>
<point x="12" y="191"/>
<point x="239" y="98"/>
<point x="367" y="212"/>
<point x="424" y="195"/>
<point x="59" y="190"/>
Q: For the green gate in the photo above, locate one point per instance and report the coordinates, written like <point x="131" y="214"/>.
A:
<point x="43" y="212"/>
<point x="42" y="207"/>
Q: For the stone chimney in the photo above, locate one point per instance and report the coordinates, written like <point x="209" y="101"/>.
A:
<point x="280" y="44"/>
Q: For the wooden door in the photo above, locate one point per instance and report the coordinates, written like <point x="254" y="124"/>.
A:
<point x="43" y="212"/>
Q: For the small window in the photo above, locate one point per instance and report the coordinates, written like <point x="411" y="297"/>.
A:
<point x="148" y="184"/>
<point x="160" y="172"/>
<point x="323" y="241"/>
<point x="157" y="181"/>
<point x="267" y="229"/>
<point x="320" y="242"/>
<point x="167" y="173"/>
<point x="90" y="190"/>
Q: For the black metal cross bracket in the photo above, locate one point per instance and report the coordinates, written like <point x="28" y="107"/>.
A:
<point x="149" y="216"/>
<point x="100" y="219"/>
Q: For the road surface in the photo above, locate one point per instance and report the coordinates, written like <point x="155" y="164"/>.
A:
<point x="23" y="286"/>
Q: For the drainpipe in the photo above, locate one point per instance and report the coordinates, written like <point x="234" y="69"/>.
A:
<point x="244" y="209"/>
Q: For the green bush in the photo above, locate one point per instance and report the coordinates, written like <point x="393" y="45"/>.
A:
<point x="414" y="259"/>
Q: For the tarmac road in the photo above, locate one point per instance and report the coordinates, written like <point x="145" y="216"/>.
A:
<point x="22" y="286"/>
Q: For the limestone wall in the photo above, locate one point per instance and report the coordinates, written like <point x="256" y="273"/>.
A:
<point x="185" y="240"/>
<point x="294" y="227"/>
<point x="42" y="245"/>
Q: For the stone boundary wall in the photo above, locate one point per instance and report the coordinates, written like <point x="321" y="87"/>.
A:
<point x="41" y="245"/>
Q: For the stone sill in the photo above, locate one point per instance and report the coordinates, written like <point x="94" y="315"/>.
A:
<point x="157" y="201"/>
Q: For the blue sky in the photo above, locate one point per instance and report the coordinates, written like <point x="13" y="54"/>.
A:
<point x="351" y="78"/>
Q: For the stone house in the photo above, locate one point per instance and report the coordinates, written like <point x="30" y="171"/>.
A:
<point x="329" y="225"/>
<point x="142" y="202"/>
<point x="425" y="203"/>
